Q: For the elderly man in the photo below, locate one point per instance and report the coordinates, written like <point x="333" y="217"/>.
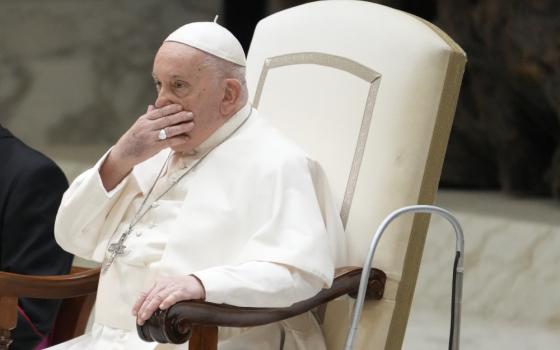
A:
<point x="201" y="199"/>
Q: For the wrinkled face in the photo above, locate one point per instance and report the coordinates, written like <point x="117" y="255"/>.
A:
<point x="181" y="77"/>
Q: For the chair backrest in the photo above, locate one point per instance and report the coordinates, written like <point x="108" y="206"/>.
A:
<point x="370" y="92"/>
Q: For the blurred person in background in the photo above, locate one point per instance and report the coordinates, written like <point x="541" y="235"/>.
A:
<point x="31" y="187"/>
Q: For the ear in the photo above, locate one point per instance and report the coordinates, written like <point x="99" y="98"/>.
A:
<point x="231" y="97"/>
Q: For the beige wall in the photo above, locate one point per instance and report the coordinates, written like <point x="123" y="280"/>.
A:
<point x="75" y="74"/>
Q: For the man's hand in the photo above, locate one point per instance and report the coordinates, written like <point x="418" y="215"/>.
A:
<point x="141" y="141"/>
<point x="165" y="292"/>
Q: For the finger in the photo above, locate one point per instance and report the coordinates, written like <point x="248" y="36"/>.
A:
<point x="140" y="301"/>
<point x="179" y="129"/>
<point x="172" y="299"/>
<point x="148" y="308"/>
<point x="186" y="289"/>
<point x="158" y="113"/>
<point x="173" y="119"/>
<point x="158" y="291"/>
<point x="172" y="140"/>
<point x="145" y="297"/>
<point x="150" y="108"/>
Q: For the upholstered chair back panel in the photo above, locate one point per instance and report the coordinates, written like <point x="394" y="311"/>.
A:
<point x="370" y="92"/>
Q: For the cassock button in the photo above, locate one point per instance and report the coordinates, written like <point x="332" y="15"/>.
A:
<point x="152" y="225"/>
<point x="138" y="233"/>
<point x="155" y="205"/>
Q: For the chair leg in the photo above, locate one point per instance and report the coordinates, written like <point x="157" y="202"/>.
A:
<point x="8" y="320"/>
<point x="204" y="338"/>
<point x="5" y="339"/>
<point x="73" y="311"/>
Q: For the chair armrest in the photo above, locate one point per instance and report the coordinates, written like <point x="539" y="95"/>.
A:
<point x="49" y="287"/>
<point x="175" y="324"/>
<point x="77" y="288"/>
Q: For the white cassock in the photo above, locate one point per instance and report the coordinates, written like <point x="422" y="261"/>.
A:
<point x="253" y="220"/>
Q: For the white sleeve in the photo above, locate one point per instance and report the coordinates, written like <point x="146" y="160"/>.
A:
<point x="258" y="284"/>
<point x="84" y="210"/>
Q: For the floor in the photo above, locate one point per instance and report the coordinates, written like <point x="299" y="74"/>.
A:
<point x="511" y="295"/>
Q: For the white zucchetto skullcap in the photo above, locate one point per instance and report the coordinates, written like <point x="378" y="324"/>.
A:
<point x="212" y="38"/>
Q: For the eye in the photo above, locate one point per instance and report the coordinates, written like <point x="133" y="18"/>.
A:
<point x="157" y="84"/>
<point x="179" y="84"/>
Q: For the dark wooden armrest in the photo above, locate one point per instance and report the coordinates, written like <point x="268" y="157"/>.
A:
<point x="77" y="288"/>
<point x="175" y="324"/>
<point x="49" y="287"/>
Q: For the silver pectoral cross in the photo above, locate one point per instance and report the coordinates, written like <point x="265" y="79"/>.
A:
<point x="115" y="250"/>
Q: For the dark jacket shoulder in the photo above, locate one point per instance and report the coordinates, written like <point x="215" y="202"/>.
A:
<point x="18" y="159"/>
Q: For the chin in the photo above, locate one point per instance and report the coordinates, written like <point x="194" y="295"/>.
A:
<point x="182" y="148"/>
<point x="187" y="147"/>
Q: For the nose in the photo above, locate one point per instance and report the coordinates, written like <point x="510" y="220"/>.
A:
<point x="163" y="99"/>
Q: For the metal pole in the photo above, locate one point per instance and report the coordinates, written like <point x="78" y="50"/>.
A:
<point x="429" y="209"/>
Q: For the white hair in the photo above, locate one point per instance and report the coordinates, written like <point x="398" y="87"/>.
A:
<point x="227" y="70"/>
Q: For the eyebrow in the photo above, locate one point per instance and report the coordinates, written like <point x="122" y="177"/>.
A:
<point x="175" y="76"/>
